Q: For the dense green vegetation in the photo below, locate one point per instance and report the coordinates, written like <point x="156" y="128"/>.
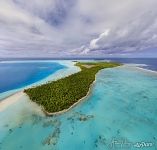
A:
<point x="61" y="94"/>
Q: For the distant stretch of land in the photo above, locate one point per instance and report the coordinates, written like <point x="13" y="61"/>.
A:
<point x="56" y="96"/>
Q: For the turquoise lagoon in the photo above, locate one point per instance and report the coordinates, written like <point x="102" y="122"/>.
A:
<point x="121" y="107"/>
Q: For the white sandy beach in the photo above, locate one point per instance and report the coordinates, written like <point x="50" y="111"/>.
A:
<point x="17" y="95"/>
<point x="146" y="70"/>
<point x="139" y="67"/>
<point x="10" y="97"/>
<point x="70" y="69"/>
<point x="10" y="100"/>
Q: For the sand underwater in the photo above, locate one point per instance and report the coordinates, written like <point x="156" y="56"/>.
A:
<point x="121" y="108"/>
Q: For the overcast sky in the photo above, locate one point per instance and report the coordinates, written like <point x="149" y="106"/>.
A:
<point x="82" y="28"/>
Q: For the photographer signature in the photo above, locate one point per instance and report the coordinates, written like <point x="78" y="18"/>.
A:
<point x="124" y="143"/>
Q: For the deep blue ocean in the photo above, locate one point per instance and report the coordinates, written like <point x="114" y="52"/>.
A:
<point x="120" y="109"/>
<point x="151" y="63"/>
<point x="19" y="74"/>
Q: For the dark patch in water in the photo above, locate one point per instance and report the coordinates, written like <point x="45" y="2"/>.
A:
<point x="20" y="125"/>
<point x="21" y="146"/>
<point x="145" y="97"/>
<point x="53" y="137"/>
<point x="80" y="117"/>
<point x="85" y="118"/>
<point x="6" y="125"/>
<point x="51" y="123"/>
<point x="36" y="119"/>
<point x="10" y="131"/>
<point x="100" y="141"/>
<point x="118" y="131"/>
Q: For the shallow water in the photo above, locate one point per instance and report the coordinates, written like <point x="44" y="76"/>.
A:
<point x="121" y="107"/>
<point x="69" y="68"/>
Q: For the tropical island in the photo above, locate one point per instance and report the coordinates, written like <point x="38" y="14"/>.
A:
<point x="59" y="96"/>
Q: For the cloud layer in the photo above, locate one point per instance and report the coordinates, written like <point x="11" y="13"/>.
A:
<point x="56" y="28"/>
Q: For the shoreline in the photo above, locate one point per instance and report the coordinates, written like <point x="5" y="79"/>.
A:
<point x="69" y="69"/>
<point x="16" y="96"/>
<point x="13" y="96"/>
<point x="147" y="70"/>
<point x="141" y="69"/>
<point x="62" y="95"/>
<point x="6" y="102"/>
<point x="72" y="106"/>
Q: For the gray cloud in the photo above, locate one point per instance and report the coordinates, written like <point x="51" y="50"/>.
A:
<point x="83" y="27"/>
